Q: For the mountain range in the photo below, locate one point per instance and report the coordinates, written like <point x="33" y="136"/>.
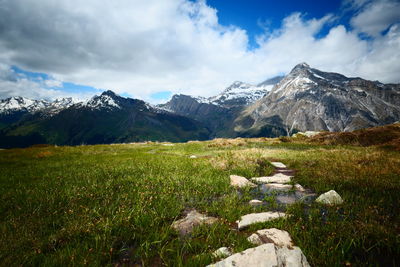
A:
<point x="305" y="99"/>
<point x="107" y="118"/>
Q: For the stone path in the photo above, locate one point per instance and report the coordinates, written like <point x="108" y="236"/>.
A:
<point x="280" y="186"/>
<point x="274" y="246"/>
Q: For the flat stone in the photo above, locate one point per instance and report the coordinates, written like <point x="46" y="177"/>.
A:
<point x="261" y="256"/>
<point x="276" y="178"/>
<point x="278" y="237"/>
<point x="330" y="198"/>
<point x="168" y="144"/>
<point x="278" y="187"/>
<point x="291" y="257"/>
<point x="253" y="218"/>
<point x="298" y="187"/>
<point x="266" y="255"/>
<point x="193" y="218"/>
<point x="239" y="181"/>
<point x="278" y="165"/>
<point x="307" y="133"/>
<point x="222" y="252"/>
<point x="255" y="202"/>
<point x="193" y="157"/>
<point x="286" y="199"/>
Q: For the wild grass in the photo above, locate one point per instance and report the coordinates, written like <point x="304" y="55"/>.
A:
<point x="114" y="204"/>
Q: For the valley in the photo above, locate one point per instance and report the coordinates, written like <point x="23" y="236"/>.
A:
<point x="305" y="99"/>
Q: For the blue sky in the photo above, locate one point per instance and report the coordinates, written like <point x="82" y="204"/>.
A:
<point x="256" y="15"/>
<point x="153" y="49"/>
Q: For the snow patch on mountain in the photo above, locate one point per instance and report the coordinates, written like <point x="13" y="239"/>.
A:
<point x="21" y="104"/>
<point x="102" y="101"/>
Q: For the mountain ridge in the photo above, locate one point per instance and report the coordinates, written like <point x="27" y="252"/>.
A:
<point x="310" y="99"/>
<point x="107" y="118"/>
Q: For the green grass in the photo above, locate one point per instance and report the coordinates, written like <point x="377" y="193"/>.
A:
<point x="98" y="205"/>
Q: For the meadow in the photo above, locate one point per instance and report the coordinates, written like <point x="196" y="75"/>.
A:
<point x="106" y="205"/>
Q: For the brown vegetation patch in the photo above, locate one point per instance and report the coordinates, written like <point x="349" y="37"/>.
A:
<point x="388" y="135"/>
<point x="222" y="142"/>
<point x="44" y="154"/>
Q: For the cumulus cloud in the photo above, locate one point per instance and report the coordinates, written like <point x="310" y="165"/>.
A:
<point x="142" y="47"/>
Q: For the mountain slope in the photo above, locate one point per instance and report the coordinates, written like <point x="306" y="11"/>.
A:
<point x="309" y="99"/>
<point x="107" y="118"/>
<point x="218" y="112"/>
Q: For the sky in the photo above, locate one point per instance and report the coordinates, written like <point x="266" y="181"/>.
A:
<point x="151" y="49"/>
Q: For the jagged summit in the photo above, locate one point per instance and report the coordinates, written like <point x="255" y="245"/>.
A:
<point x="109" y="93"/>
<point x="108" y="99"/>
<point x="302" y="65"/>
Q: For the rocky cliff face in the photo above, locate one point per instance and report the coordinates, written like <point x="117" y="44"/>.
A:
<point x="310" y="99"/>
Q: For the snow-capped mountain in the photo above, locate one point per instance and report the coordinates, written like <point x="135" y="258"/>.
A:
<point x="107" y="99"/>
<point x="106" y="118"/>
<point x="310" y="99"/>
<point x="18" y="104"/>
<point x="13" y="104"/>
<point x="240" y="93"/>
<point x="61" y="103"/>
<point x="218" y="112"/>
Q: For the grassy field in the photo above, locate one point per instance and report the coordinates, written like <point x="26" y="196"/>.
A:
<point x="109" y="204"/>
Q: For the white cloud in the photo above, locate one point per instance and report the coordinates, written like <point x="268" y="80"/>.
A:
<point x="18" y="84"/>
<point x="376" y="17"/>
<point x="142" y="47"/>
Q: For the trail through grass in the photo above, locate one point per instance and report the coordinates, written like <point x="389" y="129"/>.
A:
<point x="101" y="205"/>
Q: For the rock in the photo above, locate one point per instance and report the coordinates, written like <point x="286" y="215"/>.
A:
<point x="276" y="178"/>
<point x="193" y="218"/>
<point x="255" y="239"/>
<point x="279" y="237"/>
<point x="168" y="144"/>
<point x="298" y="187"/>
<point x="239" y="181"/>
<point x="252" y="218"/>
<point x="306" y="133"/>
<point x="261" y="256"/>
<point x="278" y="164"/>
<point x="255" y="202"/>
<point x="193" y="157"/>
<point x="330" y="198"/>
<point x="222" y="252"/>
<point x="266" y="255"/>
<point x="278" y="187"/>
<point x="291" y="257"/>
<point x="286" y="199"/>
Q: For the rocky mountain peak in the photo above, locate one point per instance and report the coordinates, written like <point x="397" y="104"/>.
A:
<point x="302" y="69"/>
<point x="310" y="99"/>
<point x="107" y="99"/>
<point x="110" y="94"/>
